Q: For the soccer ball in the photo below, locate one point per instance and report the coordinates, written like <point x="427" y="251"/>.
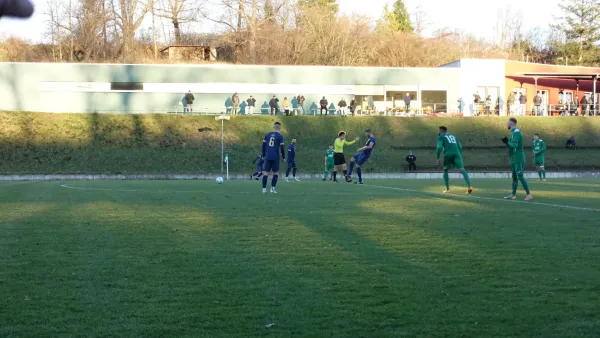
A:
<point x="219" y="180"/>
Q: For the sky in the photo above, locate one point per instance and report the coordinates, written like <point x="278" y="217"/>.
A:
<point x="477" y="17"/>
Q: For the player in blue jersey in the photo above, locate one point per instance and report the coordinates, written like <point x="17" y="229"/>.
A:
<point x="362" y="157"/>
<point x="259" y="167"/>
<point x="271" y="148"/>
<point x="291" y="161"/>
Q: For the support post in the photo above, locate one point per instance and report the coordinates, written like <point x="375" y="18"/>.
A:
<point x="222" y="144"/>
<point x="222" y="118"/>
<point x="384" y="102"/>
<point x="594" y="95"/>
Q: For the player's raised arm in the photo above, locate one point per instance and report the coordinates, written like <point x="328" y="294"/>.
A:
<point x="349" y="143"/>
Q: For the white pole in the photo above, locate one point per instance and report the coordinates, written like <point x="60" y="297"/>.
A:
<point x="228" y="168"/>
<point x="222" y="146"/>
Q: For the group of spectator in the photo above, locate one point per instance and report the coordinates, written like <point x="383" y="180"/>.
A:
<point x="274" y="105"/>
<point x="517" y="103"/>
<point x="487" y="103"/>
<point x="342" y="105"/>
<point x="286" y="107"/>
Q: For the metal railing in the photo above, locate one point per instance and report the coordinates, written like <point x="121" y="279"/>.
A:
<point x="567" y="109"/>
<point x="486" y="109"/>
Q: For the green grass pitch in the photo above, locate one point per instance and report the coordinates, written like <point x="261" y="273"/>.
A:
<point x="387" y="259"/>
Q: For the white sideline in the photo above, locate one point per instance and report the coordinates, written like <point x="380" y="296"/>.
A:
<point x="176" y="191"/>
<point x="371" y="176"/>
<point x="485" y="198"/>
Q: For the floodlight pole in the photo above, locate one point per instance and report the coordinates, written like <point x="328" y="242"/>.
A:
<point x="222" y="118"/>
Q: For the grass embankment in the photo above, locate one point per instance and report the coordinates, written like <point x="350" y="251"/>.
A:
<point x="40" y="143"/>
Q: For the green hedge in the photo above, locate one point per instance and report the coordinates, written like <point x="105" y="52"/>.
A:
<point x="107" y="144"/>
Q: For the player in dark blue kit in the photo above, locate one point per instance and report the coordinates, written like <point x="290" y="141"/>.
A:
<point x="291" y="161"/>
<point x="272" y="145"/>
<point x="362" y="158"/>
<point x="259" y="167"/>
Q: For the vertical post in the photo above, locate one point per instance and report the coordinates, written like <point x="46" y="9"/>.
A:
<point x="596" y="106"/>
<point x="222" y="145"/>
<point x="536" y="85"/>
<point x="576" y="103"/>
<point x="384" y="102"/>
<point x="227" y="161"/>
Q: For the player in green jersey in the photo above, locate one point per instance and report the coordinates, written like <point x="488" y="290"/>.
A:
<point x="452" y="157"/>
<point x="539" y="148"/>
<point x="517" y="159"/>
<point x="329" y="162"/>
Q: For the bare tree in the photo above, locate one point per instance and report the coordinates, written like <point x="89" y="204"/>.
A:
<point x="508" y="27"/>
<point x="179" y="12"/>
<point x="420" y="20"/>
<point x="129" y="15"/>
<point x="244" y="19"/>
<point x="56" y="15"/>
<point x="90" y="32"/>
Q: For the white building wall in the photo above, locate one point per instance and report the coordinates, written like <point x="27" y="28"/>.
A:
<point x="480" y="73"/>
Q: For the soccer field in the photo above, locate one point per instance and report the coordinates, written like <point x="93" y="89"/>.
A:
<point x="387" y="259"/>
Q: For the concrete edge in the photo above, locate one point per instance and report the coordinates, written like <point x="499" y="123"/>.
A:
<point x="433" y="175"/>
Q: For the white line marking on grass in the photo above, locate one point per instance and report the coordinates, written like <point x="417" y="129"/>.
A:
<point x="486" y="198"/>
<point x="258" y="192"/>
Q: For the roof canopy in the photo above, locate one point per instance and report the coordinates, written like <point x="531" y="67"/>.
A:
<point x="572" y="76"/>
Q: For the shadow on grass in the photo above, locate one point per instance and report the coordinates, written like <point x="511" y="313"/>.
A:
<point x="194" y="263"/>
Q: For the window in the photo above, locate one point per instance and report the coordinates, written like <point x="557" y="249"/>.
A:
<point x="565" y="96"/>
<point x="127" y="86"/>
<point x="434" y="101"/>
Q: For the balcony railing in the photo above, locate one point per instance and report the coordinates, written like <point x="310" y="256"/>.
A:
<point x="554" y="110"/>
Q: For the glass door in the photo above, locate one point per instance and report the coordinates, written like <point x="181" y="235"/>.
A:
<point x="544" y="94"/>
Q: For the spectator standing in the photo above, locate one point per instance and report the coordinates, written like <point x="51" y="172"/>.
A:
<point x="476" y="102"/>
<point x="235" y="99"/>
<point x="575" y="108"/>
<point x="411" y="159"/>
<point x="407" y="101"/>
<point x="342" y="104"/>
<point x="510" y="103"/>
<point x="353" y="105"/>
<point x="537" y="104"/>
<point x="522" y="104"/>
<point x="250" y="103"/>
<point x="488" y="105"/>
<point x="301" y="100"/>
<point x="189" y="101"/>
<point x="584" y="106"/>
<point x="286" y="106"/>
<point x="370" y="102"/>
<point x="274" y="105"/>
<point x="323" y="103"/>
